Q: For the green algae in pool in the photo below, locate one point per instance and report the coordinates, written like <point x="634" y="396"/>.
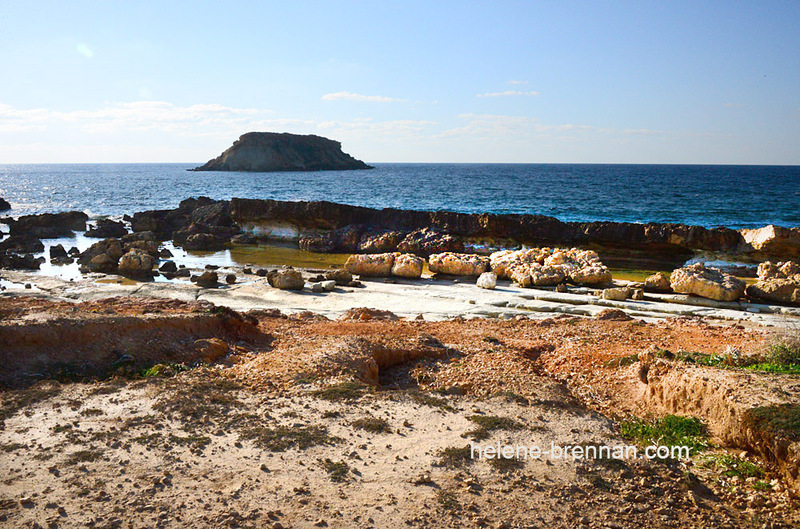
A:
<point x="269" y="255"/>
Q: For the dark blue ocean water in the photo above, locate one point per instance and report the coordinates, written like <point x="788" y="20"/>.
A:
<point x="733" y="196"/>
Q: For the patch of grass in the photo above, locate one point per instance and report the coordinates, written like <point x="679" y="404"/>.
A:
<point x="731" y="466"/>
<point x="92" y="412"/>
<point x="193" y="441"/>
<point x="337" y="471"/>
<point x="785" y="348"/>
<point x="281" y="438"/>
<point x="197" y="400"/>
<point x="372" y="425"/>
<point x="148" y="439"/>
<point x="426" y="399"/>
<point x="490" y="423"/>
<point x="672" y="430"/>
<point x="331" y="414"/>
<point x="455" y="457"/>
<point x="762" y="485"/>
<point x="783" y="419"/>
<point x="772" y="367"/>
<point x="83" y="456"/>
<point x="346" y="391"/>
<point x="623" y="361"/>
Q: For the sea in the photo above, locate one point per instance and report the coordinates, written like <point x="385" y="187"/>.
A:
<point x="735" y="196"/>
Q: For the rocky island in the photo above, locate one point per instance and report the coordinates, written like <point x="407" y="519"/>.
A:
<point x="273" y="152"/>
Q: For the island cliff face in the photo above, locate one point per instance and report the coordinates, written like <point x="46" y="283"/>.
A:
<point x="272" y="151"/>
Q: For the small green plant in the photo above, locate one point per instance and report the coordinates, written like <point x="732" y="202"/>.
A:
<point x="623" y="361"/>
<point x="337" y="471"/>
<point x="164" y="370"/>
<point x="193" y="441"/>
<point x="83" y="456"/>
<point x="730" y="466"/>
<point x="762" y="486"/>
<point x="372" y="425"/>
<point x="672" y="430"/>
<point x="331" y="414"/>
<point x="448" y="501"/>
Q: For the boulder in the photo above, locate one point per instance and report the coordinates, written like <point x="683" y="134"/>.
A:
<point x="168" y="267"/>
<point x="102" y="263"/>
<point x="110" y="247"/>
<point x="286" y="279"/>
<point x="774" y="240"/>
<point x="207" y="280"/>
<point x="782" y="290"/>
<point x="341" y="277"/>
<point x="487" y="280"/>
<point x="407" y="265"/>
<point x="49" y="225"/>
<point x="535" y="274"/>
<point x="341" y="240"/>
<point x="367" y="314"/>
<point x="458" y="264"/>
<point x="613" y="315"/>
<point x="328" y="285"/>
<point x="502" y="261"/>
<point x="385" y="241"/>
<point x="707" y="283"/>
<point x="4" y="205"/>
<point x="637" y="294"/>
<point x="106" y="228"/>
<point x="230" y="279"/>
<point x="658" y="282"/>
<point x="780" y="270"/>
<point x="136" y="264"/>
<point x="22" y="244"/>
<point x="379" y="264"/>
<point x="426" y="241"/>
<point x="26" y="261"/>
<point x="582" y="267"/>
<point x="205" y="242"/>
<point x="148" y="247"/>
<point x="616" y="294"/>
<point x="58" y="252"/>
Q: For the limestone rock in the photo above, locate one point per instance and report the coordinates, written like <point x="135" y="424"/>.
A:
<point x="106" y="228"/>
<point x="658" y="282"/>
<point x="208" y="280"/>
<point x="271" y="151"/>
<point x="781" y="270"/>
<point x="458" y="264"/>
<point x="379" y="264"/>
<point x="102" y="263"/>
<point x="616" y="294"/>
<point x="341" y="277"/>
<point x="286" y="279"/>
<point x="385" y="241"/>
<point x="111" y="247"/>
<point x="777" y="289"/>
<point x="407" y="265"/>
<point x="707" y="283"/>
<point x="774" y="240"/>
<point x="427" y="241"/>
<point x="487" y="280"/>
<point x="136" y="263"/>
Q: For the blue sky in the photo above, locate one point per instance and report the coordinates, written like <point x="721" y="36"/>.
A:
<point x="571" y="82"/>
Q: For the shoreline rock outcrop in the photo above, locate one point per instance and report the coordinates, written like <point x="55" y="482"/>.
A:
<point x="272" y="152"/>
<point x="4" y="205"/>
<point x="705" y="282"/>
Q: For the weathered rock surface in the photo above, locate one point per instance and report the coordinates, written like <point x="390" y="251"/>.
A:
<point x="106" y="228"/>
<point x="110" y="247"/>
<point x="208" y="280"/>
<point x="707" y="283"/>
<point x="21" y="244"/>
<point x="780" y="270"/>
<point x="379" y="264"/>
<point x="271" y="151"/>
<point x="487" y="280"/>
<point x="286" y="279"/>
<point x="426" y="241"/>
<point x="136" y="264"/>
<point x="783" y="290"/>
<point x="4" y="205"/>
<point x="774" y="240"/>
<point x="616" y="294"/>
<point x="458" y="264"/>
<point x="340" y="277"/>
<point x="407" y="265"/>
<point x="48" y="225"/>
<point x="658" y="282"/>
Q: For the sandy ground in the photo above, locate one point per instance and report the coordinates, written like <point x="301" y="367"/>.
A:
<point x="362" y="422"/>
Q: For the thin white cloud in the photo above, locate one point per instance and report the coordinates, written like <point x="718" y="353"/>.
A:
<point x="349" y="96"/>
<point x="515" y="82"/>
<point x="84" y="50"/>
<point x="508" y="93"/>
